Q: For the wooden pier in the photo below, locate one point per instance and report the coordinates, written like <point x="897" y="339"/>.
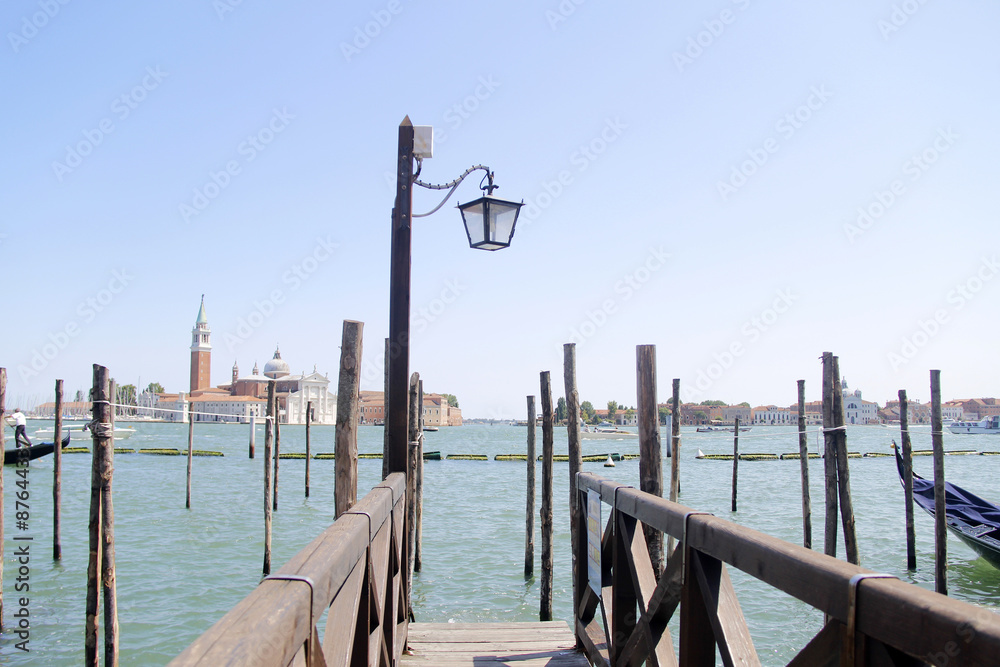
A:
<point x="541" y="644"/>
<point x="629" y="602"/>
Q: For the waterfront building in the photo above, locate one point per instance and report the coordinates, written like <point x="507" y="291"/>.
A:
<point x="856" y="409"/>
<point x="772" y="415"/>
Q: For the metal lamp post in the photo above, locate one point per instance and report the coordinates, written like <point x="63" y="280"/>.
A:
<point x="489" y="223"/>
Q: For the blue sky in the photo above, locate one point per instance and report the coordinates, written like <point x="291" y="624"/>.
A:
<point x="743" y="184"/>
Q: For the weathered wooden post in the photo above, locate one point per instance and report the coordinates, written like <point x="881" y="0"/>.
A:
<point x="101" y="568"/>
<point x="804" y="469"/>
<point x="253" y="433"/>
<point x="309" y="410"/>
<point x="907" y="453"/>
<point x="736" y="457"/>
<point x="56" y="474"/>
<point x="419" y="487"/>
<point x="674" y="450"/>
<point x="650" y="456"/>
<point x="829" y="457"/>
<point x="843" y="470"/>
<point x="575" y="465"/>
<point x="545" y="612"/>
<point x="277" y="450"/>
<point x="187" y="502"/>
<point x="346" y="448"/>
<point x="385" y="413"/>
<point x="413" y="453"/>
<point x="529" y="530"/>
<point x="268" y="435"/>
<point x="940" y="509"/>
<point x="3" y="412"/>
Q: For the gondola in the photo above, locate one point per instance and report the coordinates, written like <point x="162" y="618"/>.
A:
<point x="974" y="520"/>
<point x="12" y="456"/>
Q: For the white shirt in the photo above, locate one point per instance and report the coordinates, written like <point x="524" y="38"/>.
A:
<point x="18" y="418"/>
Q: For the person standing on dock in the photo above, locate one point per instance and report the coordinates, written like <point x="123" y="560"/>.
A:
<point x="20" y="437"/>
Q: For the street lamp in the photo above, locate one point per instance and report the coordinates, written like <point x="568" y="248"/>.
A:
<point x="489" y="224"/>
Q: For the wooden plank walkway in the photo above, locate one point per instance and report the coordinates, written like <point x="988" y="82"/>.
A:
<point x="540" y="644"/>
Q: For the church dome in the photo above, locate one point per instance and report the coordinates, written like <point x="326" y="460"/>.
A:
<point x="276" y="367"/>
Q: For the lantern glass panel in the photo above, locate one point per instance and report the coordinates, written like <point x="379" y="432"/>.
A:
<point x="472" y="214"/>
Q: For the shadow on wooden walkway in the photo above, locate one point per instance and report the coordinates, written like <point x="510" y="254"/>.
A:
<point x="541" y="644"/>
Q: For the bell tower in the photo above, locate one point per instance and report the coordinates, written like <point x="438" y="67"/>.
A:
<point x="201" y="351"/>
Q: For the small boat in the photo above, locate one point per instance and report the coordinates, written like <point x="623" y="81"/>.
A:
<point x="984" y="425"/>
<point x="597" y="433"/>
<point x="12" y="456"/>
<point x="430" y="428"/>
<point x="432" y="456"/>
<point x="974" y="520"/>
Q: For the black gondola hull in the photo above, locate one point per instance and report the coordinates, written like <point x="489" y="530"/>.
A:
<point x="12" y="456"/>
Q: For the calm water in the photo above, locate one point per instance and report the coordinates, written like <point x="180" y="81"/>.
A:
<point x="180" y="570"/>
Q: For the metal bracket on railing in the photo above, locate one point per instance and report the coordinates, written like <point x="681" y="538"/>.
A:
<point x="852" y="611"/>
<point x="312" y="601"/>
<point x="683" y="544"/>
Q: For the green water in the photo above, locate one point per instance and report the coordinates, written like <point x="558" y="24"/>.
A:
<point x="180" y="570"/>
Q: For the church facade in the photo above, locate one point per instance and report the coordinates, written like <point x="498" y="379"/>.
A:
<point x="245" y="397"/>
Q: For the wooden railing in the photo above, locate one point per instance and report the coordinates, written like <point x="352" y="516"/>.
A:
<point x="353" y="569"/>
<point x="870" y="619"/>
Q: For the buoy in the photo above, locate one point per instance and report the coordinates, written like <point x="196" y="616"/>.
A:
<point x="609" y="463"/>
<point x="701" y="454"/>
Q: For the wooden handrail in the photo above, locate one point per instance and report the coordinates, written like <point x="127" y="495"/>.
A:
<point x="275" y="623"/>
<point x="911" y="619"/>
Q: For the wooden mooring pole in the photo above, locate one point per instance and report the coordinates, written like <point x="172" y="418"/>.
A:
<point x="309" y="410"/>
<point x="907" y="453"/>
<point x="650" y="455"/>
<point x="545" y="609"/>
<point x="829" y="458"/>
<point x="843" y="470"/>
<point x="674" y="451"/>
<point x="575" y="465"/>
<point x="101" y="567"/>
<point x="56" y="475"/>
<point x="419" y="485"/>
<point x="277" y="450"/>
<point x="268" y="435"/>
<point x="187" y="502"/>
<point x="413" y="454"/>
<point x="736" y="458"/>
<point x="804" y="469"/>
<point x="940" y="531"/>
<point x="529" y="529"/>
<point x="3" y="414"/>
<point x="253" y="433"/>
<point x="385" y="412"/>
<point x="346" y="447"/>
